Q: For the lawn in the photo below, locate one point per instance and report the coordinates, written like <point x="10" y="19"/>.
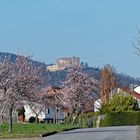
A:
<point x="31" y="129"/>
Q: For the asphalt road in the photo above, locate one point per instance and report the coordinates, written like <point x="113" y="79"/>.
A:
<point x="107" y="133"/>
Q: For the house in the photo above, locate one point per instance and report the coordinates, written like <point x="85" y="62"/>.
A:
<point x="52" y="112"/>
<point x="97" y="105"/>
<point x="137" y="89"/>
<point x="55" y="110"/>
<point x="30" y="112"/>
<point x="135" y="92"/>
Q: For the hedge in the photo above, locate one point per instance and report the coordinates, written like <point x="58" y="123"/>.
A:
<point x="88" y="119"/>
<point x="121" y="119"/>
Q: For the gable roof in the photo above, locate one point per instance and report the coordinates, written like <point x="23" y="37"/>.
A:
<point x="137" y="89"/>
<point x="131" y="92"/>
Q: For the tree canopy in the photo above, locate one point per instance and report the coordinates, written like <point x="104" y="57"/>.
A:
<point x="107" y="83"/>
<point x="122" y="103"/>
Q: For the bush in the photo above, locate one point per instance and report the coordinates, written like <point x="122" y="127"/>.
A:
<point x="121" y="103"/>
<point x="32" y="119"/>
<point x="121" y="119"/>
<point x="88" y="119"/>
<point x="105" y="108"/>
<point x="21" y="111"/>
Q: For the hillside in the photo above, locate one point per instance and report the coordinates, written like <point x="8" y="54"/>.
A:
<point x="56" y="78"/>
<point x="122" y="80"/>
<point x="13" y="58"/>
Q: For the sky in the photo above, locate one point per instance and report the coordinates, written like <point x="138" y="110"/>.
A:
<point x="98" y="31"/>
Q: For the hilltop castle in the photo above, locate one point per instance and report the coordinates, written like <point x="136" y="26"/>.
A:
<point x="63" y="63"/>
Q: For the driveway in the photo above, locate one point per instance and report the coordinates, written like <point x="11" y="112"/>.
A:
<point x="107" y="133"/>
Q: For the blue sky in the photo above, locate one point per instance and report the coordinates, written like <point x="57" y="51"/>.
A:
<point x="99" y="31"/>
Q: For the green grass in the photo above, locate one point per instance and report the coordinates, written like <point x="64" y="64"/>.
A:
<point x="31" y="129"/>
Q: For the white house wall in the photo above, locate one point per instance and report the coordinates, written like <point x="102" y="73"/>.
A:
<point x="97" y="105"/>
<point x="137" y="89"/>
<point x="51" y="114"/>
<point x="29" y="113"/>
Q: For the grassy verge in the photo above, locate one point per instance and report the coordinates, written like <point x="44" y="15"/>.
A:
<point x="31" y="130"/>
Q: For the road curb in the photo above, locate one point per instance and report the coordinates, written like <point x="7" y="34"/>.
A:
<point x="55" y="132"/>
<point x="48" y="134"/>
<point x="68" y="129"/>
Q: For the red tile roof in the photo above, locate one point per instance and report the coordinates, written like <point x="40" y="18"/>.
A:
<point x="131" y="92"/>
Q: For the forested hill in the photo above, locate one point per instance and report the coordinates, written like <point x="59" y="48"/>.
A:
<point x="122" y="79"/>
<point x="56" y="78"/>
<point x="14" y="56"/>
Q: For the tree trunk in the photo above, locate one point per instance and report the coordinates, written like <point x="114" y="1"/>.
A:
<point x="36" y="118"/>
<point x="70" y="116"/>
<point x="10" y="119"/>
<point x="76" y="116"/>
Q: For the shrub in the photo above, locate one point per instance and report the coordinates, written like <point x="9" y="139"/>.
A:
<point x="121" y="119"/>
<point x="21" y="111"/>
<point x="88" y="119"/>
<point x="121" y="103"/>
<point x="32" y="119"/>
